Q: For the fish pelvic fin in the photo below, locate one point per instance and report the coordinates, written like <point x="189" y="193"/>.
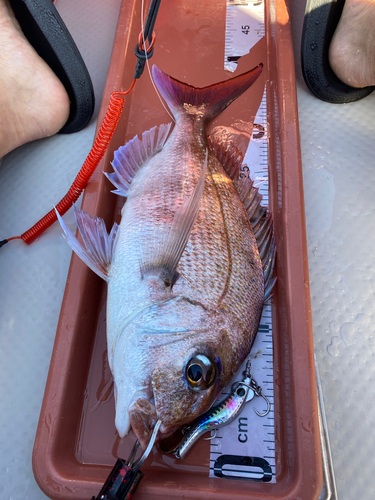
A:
<point x="129" y="159"/>
<point x="98" y="244"/>
<point x="209" y="101"/>
<point x="164" y="261"/>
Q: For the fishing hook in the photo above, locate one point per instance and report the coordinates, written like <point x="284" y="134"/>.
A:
<point x="137" y="465"/>
<point x="258" y="392"/>
<point x="211" y="437"/>
<point x="268" y="406"/>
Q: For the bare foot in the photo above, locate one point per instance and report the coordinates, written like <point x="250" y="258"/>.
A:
<point x="33" y="102"/>
<point x="352" y="50"/>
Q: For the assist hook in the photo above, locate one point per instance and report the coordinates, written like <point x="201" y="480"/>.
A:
<point x="258" y="392"/>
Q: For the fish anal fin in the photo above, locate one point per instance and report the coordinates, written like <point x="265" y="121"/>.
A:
<point x="98" y="246"/>
<point x="228" y="155"/>
<point x="129" y="159"/>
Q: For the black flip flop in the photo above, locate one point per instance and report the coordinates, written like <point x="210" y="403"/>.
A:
<point x="321" y="19"/>
<point x="47" y="33"/>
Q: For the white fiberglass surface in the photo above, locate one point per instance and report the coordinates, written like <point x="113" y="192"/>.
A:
<point x="337" y="145"/>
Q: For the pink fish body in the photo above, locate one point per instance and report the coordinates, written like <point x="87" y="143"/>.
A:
<point x="186" y="272"/>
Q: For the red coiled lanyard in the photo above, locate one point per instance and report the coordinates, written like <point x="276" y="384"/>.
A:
<point x="105" y="134"/>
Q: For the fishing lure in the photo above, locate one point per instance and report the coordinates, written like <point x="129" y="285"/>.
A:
<point x="223" y="413"/>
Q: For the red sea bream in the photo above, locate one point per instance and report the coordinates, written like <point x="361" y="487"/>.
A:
<point x="189" y="266"/>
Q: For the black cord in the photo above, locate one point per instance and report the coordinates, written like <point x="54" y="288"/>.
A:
<point x="142" y="54"/>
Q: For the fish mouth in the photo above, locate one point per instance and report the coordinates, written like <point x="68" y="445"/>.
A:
<point x="143" y="418"/>
<point x="142" y="415"/>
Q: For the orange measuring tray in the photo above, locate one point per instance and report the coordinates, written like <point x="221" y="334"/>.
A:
<point x="76" y="444"/>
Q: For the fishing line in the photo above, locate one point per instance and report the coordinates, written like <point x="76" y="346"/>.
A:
<point x="105" y="134"/>
<point x="149" y="69"/>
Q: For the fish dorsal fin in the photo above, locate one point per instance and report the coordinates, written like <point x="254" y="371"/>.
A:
<point x="99" y="245"/>
<point x="164" y="261"/>
<point x="263" y="231"/>
<point x="250" y="197"/>
<point x="262" y="223"/>
<point x="260" y="217"/>
<point x="228" y="155"/>
<point x="128" y="159"/>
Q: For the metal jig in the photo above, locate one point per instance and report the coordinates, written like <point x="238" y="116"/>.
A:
<point x="223" y="413"/>
<point x="258" y="392"/>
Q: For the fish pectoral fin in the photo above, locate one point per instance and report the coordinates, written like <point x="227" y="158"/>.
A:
<point x="129" y="159"/>
<point x="99" y="245"/>
<point x="164" y="262"/>
<point x="228" y="155"/>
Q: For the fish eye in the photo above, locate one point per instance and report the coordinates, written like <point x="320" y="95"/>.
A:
<point x="200" y="372"/>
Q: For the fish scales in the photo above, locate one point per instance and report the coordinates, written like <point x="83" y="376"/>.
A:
<point x="185" y="280"/>
<point x="214" y="249"/>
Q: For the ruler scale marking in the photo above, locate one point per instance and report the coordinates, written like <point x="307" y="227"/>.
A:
<point x="244" y="28"/>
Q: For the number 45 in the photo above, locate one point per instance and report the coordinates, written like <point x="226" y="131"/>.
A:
<point x="246" y="29"/>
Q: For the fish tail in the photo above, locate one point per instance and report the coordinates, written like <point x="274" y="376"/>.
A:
<point x="215" y="98"/>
